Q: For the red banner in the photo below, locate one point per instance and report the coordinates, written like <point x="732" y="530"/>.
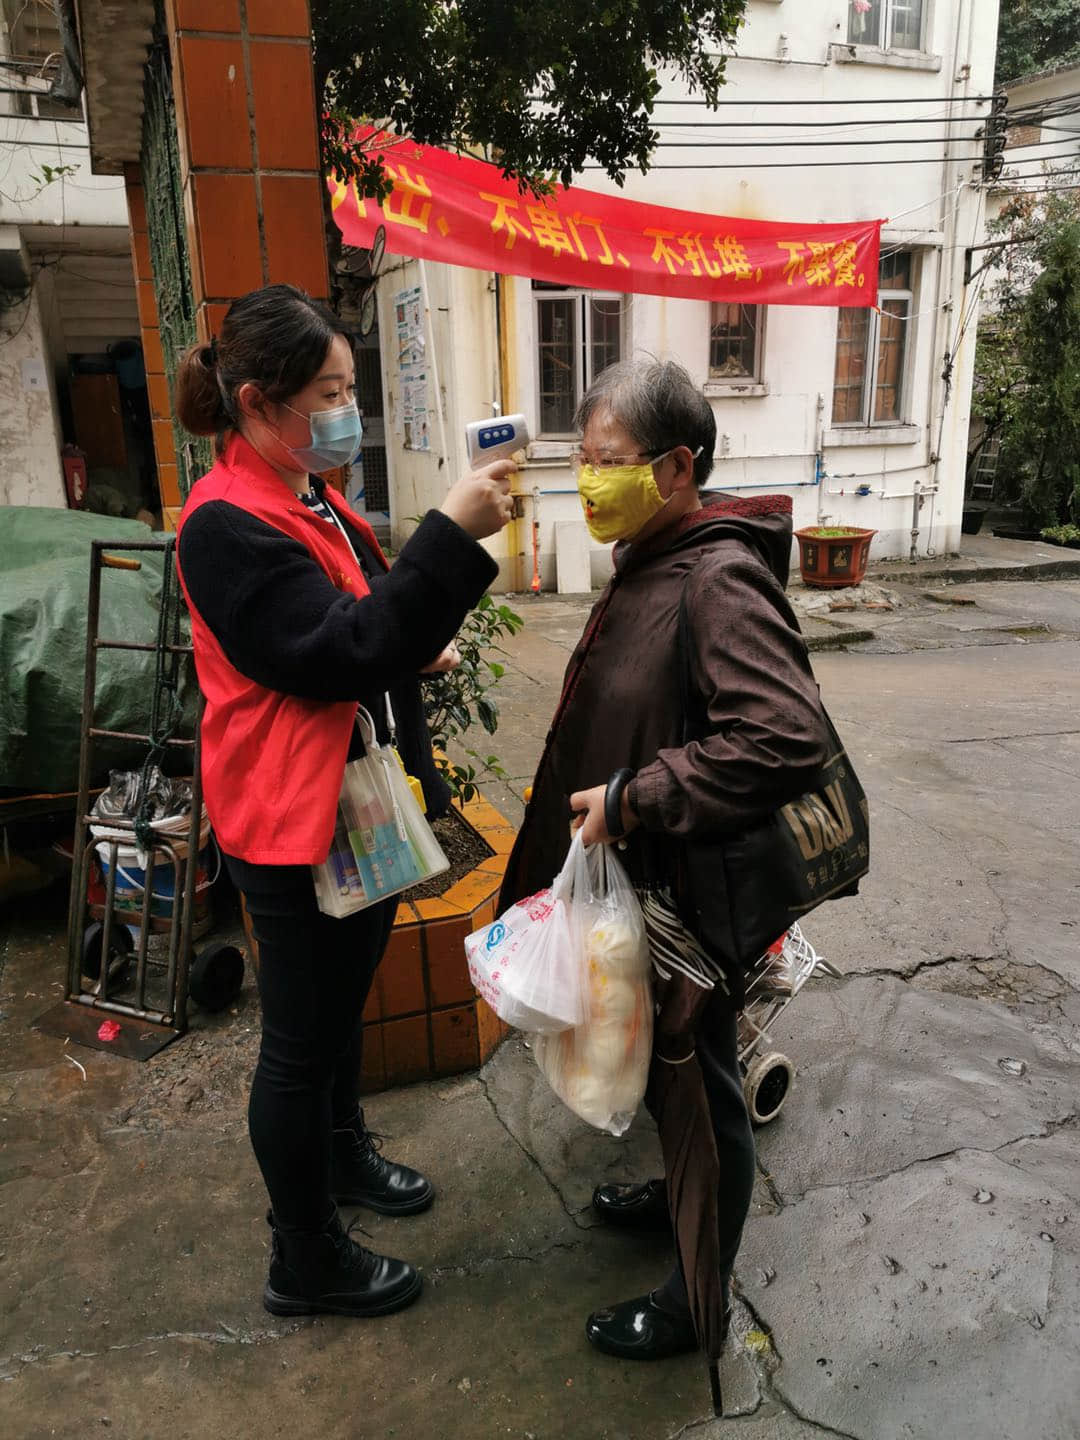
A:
<point x="461" y="211"/>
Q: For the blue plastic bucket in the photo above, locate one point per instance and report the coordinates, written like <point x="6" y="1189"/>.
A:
<point x="131" y="881"/>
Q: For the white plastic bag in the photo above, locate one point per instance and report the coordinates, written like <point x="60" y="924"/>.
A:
<point x="382" y="843"/>
<point x="526" y="965"/>
<point x="600" y="1067"/>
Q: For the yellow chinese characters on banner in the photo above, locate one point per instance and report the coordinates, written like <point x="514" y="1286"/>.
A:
<point x="461" y="211"/>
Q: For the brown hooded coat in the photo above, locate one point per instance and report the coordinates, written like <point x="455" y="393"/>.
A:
<point x="622" y="705"/>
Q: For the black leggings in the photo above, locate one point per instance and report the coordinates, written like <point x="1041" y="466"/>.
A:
<point x="718" y="1055"/>
<point x="315" y="973"/>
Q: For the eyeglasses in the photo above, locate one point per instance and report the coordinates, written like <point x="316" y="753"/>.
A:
<point x="578" y="458"/>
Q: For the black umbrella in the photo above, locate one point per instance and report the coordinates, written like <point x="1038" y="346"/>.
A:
<point x="677" y="1101"/>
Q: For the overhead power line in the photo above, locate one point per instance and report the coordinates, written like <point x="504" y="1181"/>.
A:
<point x="813" y="164"/>
<point x="816" y="102"/>
<point x="819" y="124"/>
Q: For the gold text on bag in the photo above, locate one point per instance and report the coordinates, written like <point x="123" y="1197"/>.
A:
<point x="820" y="821"/>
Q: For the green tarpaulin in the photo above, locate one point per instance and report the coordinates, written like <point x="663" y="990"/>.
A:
<point x="44" y="582"/>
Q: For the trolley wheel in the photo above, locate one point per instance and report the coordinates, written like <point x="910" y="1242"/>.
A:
<point x="216" y="975"/>
<point x="768" y="1080"/>
<point x="120" y="947"/>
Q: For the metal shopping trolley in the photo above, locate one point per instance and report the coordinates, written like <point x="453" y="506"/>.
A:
<point x="152" y="923"/>
<point x="771" y="986"/>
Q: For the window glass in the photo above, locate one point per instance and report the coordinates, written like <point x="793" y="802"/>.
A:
<point x="905" y="24"/>
<point x="734" y="332"/>
<point x="892" y="338"/>
<point x="578" y="334"/>
<point x="606" y="332"/>
<point x="871" y="351"/>
<point x="851" y="353"/>
<point x="559" y="381"/>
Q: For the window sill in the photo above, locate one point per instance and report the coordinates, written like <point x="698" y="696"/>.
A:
<point x="869" y="435"/>
<point x="548" y="452"/>
<point x="891" y="59"/>
<point x="734" y="389"/>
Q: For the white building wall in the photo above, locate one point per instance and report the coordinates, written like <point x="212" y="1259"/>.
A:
<point x="71" y="233"/>
<point x="463" y="382"/>
<point x="905" y="481"/>
<point x="30" y="440"/>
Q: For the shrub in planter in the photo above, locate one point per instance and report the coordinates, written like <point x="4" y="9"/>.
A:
<point x="833" y="555"/>
<point x="1062" y="535"/>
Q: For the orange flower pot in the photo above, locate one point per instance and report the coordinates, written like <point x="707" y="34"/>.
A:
<point x="831" y="556"/>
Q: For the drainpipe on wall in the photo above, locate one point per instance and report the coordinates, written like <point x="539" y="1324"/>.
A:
<point x="819" y="457"/>
<point x="943" y="317"/>
<point x="515" y="555"/>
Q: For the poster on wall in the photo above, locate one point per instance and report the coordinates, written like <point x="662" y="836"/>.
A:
<point x="409" y="317"/>
<point x="414" y="409"/>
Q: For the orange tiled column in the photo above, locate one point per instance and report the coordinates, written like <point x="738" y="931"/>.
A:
<point x="249" y="148"/>
<point x="249" y="167"/>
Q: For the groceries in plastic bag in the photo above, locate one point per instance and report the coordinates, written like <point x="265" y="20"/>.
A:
<point x="600" y="1067"/>
<point x="525" y="965"/>
<point x="382" y="843"/>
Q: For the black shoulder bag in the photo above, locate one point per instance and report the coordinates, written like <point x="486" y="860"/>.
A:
<point x="747" y="887"/>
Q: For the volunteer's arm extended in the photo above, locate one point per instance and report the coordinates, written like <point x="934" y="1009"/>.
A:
<point x="283" y="624"/>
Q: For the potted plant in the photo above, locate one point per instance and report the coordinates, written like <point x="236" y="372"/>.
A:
<point x="833" y="555"/>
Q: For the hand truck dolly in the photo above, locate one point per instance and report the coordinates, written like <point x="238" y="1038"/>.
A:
<point x="102" y="1008"/>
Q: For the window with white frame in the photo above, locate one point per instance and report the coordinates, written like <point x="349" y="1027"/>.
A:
<point x="736" y="342"/>
<point x="578" y="334"/>
<point x="888" y="24"/>
<point x="871" y="351"/>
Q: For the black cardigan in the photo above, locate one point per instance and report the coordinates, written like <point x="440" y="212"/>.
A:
<point x="282" y="623"/>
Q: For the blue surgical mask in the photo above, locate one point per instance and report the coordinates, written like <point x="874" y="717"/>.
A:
<point x="335" y="438"/>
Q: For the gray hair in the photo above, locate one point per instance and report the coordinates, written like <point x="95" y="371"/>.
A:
<point x="657" y="403"/>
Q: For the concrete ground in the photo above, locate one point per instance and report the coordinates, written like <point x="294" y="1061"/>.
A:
<point x="912" y="1265"/>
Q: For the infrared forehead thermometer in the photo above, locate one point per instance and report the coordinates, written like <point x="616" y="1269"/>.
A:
<point x="496" y="439"/>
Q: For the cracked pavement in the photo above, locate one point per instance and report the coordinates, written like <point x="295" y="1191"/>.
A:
<point x="911" y="1267"/>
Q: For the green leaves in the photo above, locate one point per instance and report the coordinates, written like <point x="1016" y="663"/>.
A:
<point x="1034" y="35"/>
<point x="456" y="702"/>
<point x="545" y="87"/>
<point x="1028" y="358"/>
<point x="51" y="173"/>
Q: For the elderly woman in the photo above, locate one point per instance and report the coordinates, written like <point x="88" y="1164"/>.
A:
<point x="695" y="605"/>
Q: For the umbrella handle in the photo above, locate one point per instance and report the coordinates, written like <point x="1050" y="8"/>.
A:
<point x="714" y="1385"/>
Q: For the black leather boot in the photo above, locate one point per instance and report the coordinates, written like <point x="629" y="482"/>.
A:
<point x="361" y="1176"/>
<point x="638" y="1207"/>
<point x="324" y="1272"/>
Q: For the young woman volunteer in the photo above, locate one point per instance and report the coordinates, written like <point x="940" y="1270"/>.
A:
<point x="295" y="619"/>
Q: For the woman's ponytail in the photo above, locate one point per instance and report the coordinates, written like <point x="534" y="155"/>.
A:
<point x="197" y="398"/>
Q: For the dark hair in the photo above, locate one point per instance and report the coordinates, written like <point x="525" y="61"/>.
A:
<point x="276" y="338"/>
<point x="657" y="403"/>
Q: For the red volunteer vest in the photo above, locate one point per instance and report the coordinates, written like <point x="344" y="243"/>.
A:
<point x="272" y="763"/>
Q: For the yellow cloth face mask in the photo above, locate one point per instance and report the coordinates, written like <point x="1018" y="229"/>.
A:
<point x="618" y="500"/>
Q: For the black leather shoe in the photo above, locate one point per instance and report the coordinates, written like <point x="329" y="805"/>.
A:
<point x="640" y="1330"/>
<point x="325" y="1272"/>
<point x="361" y="1176"/>
<point x="640" y="1207"/>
